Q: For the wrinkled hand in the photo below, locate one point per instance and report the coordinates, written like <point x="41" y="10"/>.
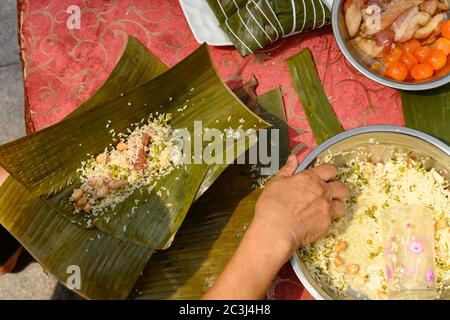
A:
<point x="297" y="209"/>
<point x="293" y="210"/>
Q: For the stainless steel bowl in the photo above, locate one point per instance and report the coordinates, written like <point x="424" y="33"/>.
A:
<point x="381" y="141"/>
<point x="341" y="35"/>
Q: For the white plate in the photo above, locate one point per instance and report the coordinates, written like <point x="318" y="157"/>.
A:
<point x="328" y="3"/>
<point x="204" y="24"/>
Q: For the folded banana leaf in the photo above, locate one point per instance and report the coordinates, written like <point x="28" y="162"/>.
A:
<point x="108" y="267"/>
<point x="137" y="66"/>
<point x="428" y="111"/>
<point x="46" y="162"/>
<point x="213" y="227"/>
<point x="315" y="103"/>
<point x="252" y="25"/>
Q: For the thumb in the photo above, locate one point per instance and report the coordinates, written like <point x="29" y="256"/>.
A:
<point x="289" y="168"/>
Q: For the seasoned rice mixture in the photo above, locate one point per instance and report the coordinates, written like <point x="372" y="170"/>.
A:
<point x="140" y="158"/>
<point x="351" y="256"/>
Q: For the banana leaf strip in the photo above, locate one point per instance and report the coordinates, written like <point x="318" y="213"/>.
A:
<point x="55" y="242"/>
<point x="272" y="110"/>
<point x="211" y="231"/>
<point x="428" y="111"/>
<point x="252" y="25"/>
<point x="46" y="162"/>
<point x="315" y="103"/>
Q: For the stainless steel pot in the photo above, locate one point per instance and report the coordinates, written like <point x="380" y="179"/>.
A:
<point x="341" y="35"/>
<point x="382" y="141"/>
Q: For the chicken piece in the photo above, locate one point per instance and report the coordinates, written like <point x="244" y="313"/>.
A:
<point x="376" y="19"/>
<point x="430" y="27"/>
<point x="368" y="47"/>
<point x="353" y="16"/>
<point x="429" y="6"/>
<point x="406" y="25"/>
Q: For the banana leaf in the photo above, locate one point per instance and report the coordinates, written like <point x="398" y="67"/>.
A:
<point x="136" y="66"/>
<point x="225" y="8"/>
<point x="428" y="111"/>
<point x="272" y="110"/>
<point x="46" y="162"/>
<point x="315" y="103"/>
<point x="253" y="25"/>
<point x="109" y="267"/>
<point x="212" y="230"/>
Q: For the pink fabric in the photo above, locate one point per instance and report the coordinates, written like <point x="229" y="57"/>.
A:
<point x="62" y="68"/>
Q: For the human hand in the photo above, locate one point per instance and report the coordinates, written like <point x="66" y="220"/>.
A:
<point x="293" y="210"/>
<point x="297" y="209"/>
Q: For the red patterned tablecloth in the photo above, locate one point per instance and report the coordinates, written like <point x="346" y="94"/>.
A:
<point x="63" y="67"/>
